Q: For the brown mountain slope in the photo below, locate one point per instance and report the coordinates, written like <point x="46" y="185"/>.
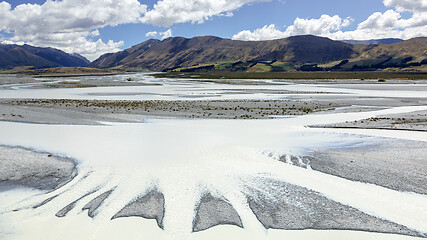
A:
<point x="178" y="52"/>
<point x="415" y="48"/>
<point x="305" y="53"/>
<point x="409" y="53"/>
<point x="36" y="57"/>
<point x="18" y="56"/>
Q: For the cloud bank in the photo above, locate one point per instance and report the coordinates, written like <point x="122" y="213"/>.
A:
<point x="322" y="26"/>
<point x="73" y="25"/>
<point x="168" y="12"/>
<point x="389" y="24"/>
<point x="69" y="25"/>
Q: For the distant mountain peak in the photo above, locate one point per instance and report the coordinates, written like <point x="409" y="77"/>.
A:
<point x="38" y="57"/>
<point x="177" y="52"/>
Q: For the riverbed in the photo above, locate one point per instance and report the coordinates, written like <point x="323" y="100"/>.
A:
<point x="174" y="177"/>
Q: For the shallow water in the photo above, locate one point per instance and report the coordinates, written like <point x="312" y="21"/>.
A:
<point x="190" y="89"/>
<point x="82" y="227"/>
<point x="185" y="159"/>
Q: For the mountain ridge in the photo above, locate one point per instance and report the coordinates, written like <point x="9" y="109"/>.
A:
<point x="306" y="53"/>
<point x="12" y="55"/>
<point x="211" y="53"/>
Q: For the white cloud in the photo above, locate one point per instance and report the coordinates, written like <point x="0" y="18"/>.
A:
<point x="69" y="24"/>
<point x="95" y="33"/>
<point x="162" y="35"/>
<point x="151" y="34"/>
<point x="393" y="20"/>
<point x="366" y="34"/>
<point x="407" y="5"/>
<point x="380" y="20"/>
<point x="389" y="24"/>
<point x="168" y="12"/>
<point x="267" y="32"/>
<point x="322" y="26"/>
<point x="72" y="25"/>
<point x="166" y="34"/>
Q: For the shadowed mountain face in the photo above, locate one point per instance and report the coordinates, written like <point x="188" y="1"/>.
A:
<point x="26" y="55"/>
<point x="304" y="53"/>
<point x="374" y="41"/>
<point x="155" y="55"/>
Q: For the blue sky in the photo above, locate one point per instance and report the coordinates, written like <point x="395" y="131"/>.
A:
<point x="251" y="17"/>
<point x="94" y="27"/>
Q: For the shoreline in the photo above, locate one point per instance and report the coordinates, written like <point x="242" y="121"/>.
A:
<point x="341" y="163"/>
<point x="63" y="111"/>
<point x="21" y="166"/>
<point x="359" y="76"/>
<point x="92" y="112"/>
<point x="392" y="165"/>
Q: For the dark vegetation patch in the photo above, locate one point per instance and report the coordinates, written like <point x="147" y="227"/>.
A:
<point x="298" y="75"/>
<point x="223" y="109"/>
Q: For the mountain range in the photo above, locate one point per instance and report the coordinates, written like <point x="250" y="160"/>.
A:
<point x="209" y="53"/>
<point x="179" y="52"/>
<point x="304" y="53"/>
<point x="12" y="55"/>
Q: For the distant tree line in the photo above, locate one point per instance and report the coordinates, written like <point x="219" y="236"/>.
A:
<point x="404" y="63"/>
<point x="240" y="66"/>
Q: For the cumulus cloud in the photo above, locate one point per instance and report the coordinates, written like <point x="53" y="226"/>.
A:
<point x="322" y="26"/>
<point x="162" y="35"/>
<point x="166" y="34"/>
<point x="381" y="20"/>
<point x="152" y="34"/>
<point x="267" y="32"/>
<point x="72" y="25"/>
<point x="69" y="24"/>
<point x="407" y="5"/>
<point x="168" y="12"/>
<point x="389" y="24"/>
<point x="393" y="20"/>
<point x="95" y="33"/>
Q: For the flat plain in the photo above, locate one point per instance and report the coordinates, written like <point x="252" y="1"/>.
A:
<point x="269" y="156"/>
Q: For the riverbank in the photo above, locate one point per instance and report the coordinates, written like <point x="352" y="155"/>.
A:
<point x="66" y="111"/>
<point x="24" y="167"/>
<point x="187" y="155"/>
<point x="337" y="76"/>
